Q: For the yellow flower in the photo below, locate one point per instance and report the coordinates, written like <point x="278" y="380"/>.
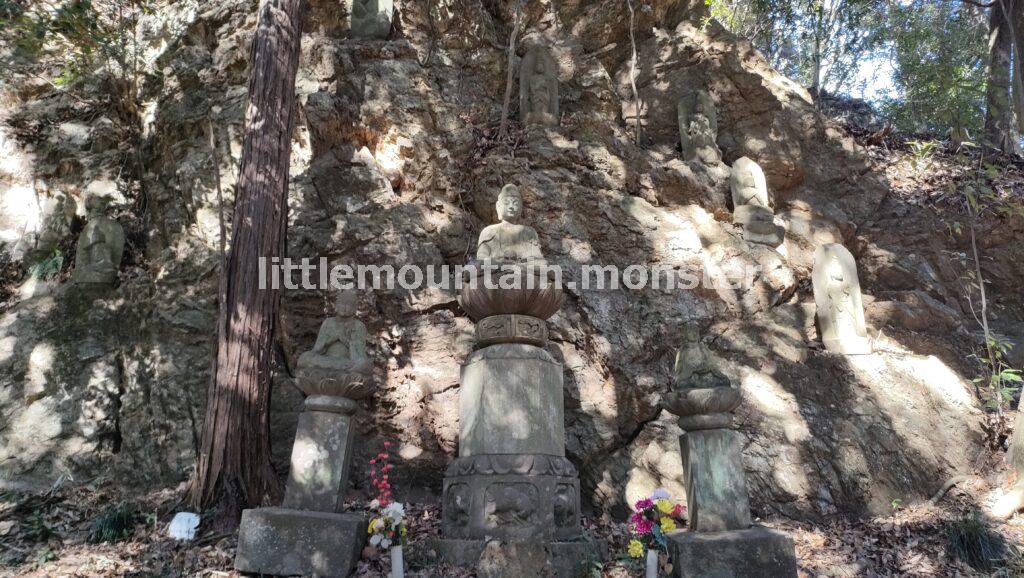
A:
<point x="664" y="506"/>
<point x="373" y="524"/>
<point x="636" y="549"/>
<point x="404" y="530"/>
<point x="667" y="525"/>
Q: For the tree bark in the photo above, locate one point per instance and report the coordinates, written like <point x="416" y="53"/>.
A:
<point x="999" y="124"/>
<point x="233" y="470"/>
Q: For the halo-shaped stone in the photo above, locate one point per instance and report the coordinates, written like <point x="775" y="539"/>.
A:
<point x="527" y="298"/>
<point x="703" y="401"/>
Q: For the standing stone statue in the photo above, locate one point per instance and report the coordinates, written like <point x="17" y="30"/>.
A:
<point x="751" y="208"/>
<point x="371" y="19"/>
<point x="508" y="241"/>
<point x="511" y="481"/>
<point x="538" y="88"/>
<point x="308" y="534"/>
<point x="100" y="247"/>
<point x="720" y="540"/>
<point x="837" y="299"/>
<point x="698" y="128"/>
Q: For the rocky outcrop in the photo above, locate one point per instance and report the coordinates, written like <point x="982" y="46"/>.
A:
<point x="395" y="162"/>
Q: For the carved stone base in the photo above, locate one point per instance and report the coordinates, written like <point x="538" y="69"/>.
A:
<point x="511" y="498"/>
<point x="759" y="225"/>
<point x="511" y="329"/>
<point x="755" y="551"/>
<point x="554" y="559"/>
<point x="283" y="542"/>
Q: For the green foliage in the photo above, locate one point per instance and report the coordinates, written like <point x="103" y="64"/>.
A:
<point x="922" y="153"/>
<point x="116" y="523"/>
<point x="796" y="34"/>
<point x="81" y="34"/>
<point x="971" y="540"/>
<point x="48" y="267"/>
<point x="939" y="54"/>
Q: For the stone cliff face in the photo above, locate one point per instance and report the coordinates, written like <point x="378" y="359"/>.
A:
<point x="396" y="162"/>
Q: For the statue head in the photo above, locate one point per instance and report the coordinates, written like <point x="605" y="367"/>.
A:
<point x="835" y="270"/>
<point x="539" y="66"/>
<point x="345" y="303"/>
<point x="691" y="333"/>
<point x="96" y="204"/>
<point x="510" y="204"/>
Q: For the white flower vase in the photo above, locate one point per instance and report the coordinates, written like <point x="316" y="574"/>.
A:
<point x="397" y="564"/>
<point x="651" y="568"/>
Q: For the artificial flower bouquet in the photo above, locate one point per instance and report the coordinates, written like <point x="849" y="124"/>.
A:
<point x="654" y="517"/>
<point x="387" y="518"/>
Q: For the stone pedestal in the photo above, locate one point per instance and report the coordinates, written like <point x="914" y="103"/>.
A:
<point x="716" y="487"/>
<point x="511" y="498"/>
<point x="538" y="558"/>
<point x="309" y="535"/>
<point x="510" y="402"/>
<point x="759" y="225"/>
<point x="748" y="553"/>
<point x="321" y="456"/>
<point x="285" y="542"/>
<point x="511" y="489"/>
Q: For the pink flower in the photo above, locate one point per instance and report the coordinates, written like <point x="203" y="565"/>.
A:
<point x="644" y="526"/>
<point x="644" y="504"/>
<point x="635" y="518"/>
<point x="677" y="510"/>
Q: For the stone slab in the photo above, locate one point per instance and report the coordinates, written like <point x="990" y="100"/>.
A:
<point x="321" y="457"/>
<point x="511" y="402"/>
<point x="284" y="542"/>
<point x="716" y="486"/>
<point x="549" y="559"/>
<point x="756" y="552"/>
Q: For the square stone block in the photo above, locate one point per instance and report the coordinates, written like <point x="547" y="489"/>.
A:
<point x="716" y="486"/>
<point x="537" y="558"/>
<point x="321" y="456"/>
<point x="285" y="542"/>
<point x="510" y="402"/>
<point x="756" y="552"/>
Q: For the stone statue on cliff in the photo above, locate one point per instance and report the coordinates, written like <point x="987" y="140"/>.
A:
<point x="837" y="298"/>
<point x="508" y="241"/>
<point x="100" y="247"/>
<point x="694" y="367"/>
<point x="341" y="342"/>
<point x="538" y="88"/>
<point x="371" y="19"/>
<point x="698" y="128"/>
<point x="751" y="207"/>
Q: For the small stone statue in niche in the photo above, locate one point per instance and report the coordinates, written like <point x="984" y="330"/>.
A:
<point x="371" y="19"/>
<point x="508" y="241"/>
<point x="100" y="246"/>
<point x="341" y="342"/>
<point x="538" y="88"/>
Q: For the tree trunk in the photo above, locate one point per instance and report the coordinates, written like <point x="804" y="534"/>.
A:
<point x="999" y="124"/>
<point x="1017" y="27"/>
<point x="233" y="470"/>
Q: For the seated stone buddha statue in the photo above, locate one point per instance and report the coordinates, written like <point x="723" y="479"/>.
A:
<point x="341" y="343"/>
<point x="508" y="241"/>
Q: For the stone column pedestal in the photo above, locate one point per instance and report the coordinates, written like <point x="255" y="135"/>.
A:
<point x="720" y="540"/>
<point x="309" y="535"/>
<point x="511" y="482"/>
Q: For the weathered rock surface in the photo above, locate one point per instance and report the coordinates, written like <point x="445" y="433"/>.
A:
<point x="394" y="163"/>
